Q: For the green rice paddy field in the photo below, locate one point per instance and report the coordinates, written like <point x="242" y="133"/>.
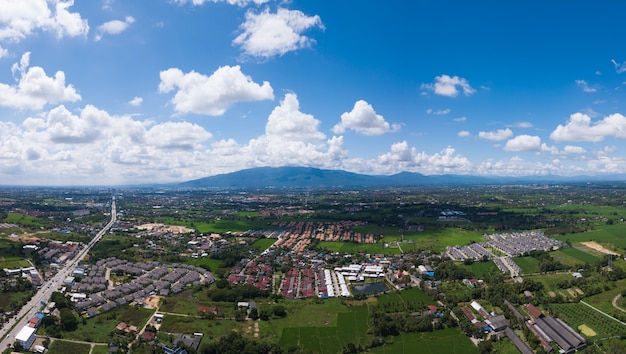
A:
<point x="414" y="296"/>
<point x="571" y="256"/>
<point x="449" y="340"/>
<point x="351" y="327"/>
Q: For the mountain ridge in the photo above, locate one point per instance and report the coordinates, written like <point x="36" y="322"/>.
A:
<point x="310" y="177"/>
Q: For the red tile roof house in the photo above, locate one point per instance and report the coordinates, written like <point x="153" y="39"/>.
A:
<point x="148" y="336"/>
<point x="121" y="326"/>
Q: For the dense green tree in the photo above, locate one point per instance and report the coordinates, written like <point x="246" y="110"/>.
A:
<point x="264" y="315"/>
<point x="253" y="314"/>
<point x="68" y="320"/>
<point x="279" y="310"/>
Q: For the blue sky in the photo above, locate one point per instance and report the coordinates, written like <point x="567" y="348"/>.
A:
<point x="125" y="92"/>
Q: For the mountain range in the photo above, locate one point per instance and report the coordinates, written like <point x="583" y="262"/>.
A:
<point x="307" y="177"/>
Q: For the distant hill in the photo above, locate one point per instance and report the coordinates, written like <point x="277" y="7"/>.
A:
<point x="307" y="177"/>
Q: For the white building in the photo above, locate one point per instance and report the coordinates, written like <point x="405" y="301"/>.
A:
<point x="26" y="337"/>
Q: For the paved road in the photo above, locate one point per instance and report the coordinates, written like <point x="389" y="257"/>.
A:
<point x="13" y="326"/>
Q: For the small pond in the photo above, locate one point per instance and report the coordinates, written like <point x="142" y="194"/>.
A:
<point x="369" y="288"/>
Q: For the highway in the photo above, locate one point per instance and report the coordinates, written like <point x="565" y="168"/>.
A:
<point x="11" y="328"/>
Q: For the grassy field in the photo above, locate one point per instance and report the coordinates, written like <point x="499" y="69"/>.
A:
<point x="550" y="280"/>
<point x="100" y="349"/>
<point x="611" y="234"/>
<point x="351" y="327"/>
<point x="62" y="347"/>
<point x="189" y="305"/>
<point x="263" y="243"/>
<point x="210" y="328"/>
<point x="64" y="237"/>
<point x="480" y="269"/>
<point x="573" y="256"/>
<point x="211" y="264"/>
<point x="580" y="255"/>
<point x="24" y="220"/>
<point x="505" y="346"/>
<point x="349" y="247"/>
<point x="411" y="296"/>
<point x="13" y="262"/>
<point x="416" y="294"/>
<point x="528" y="264"/>
<point x="450" y="340"/>
<point x="307" y="313"/>
<point x="312" y="313"/>
<point x="603" y="300"/>
<point x="457" y="289"/>
<point x="436" y="240"/>
<point x="12" y="300"/>
<point x="218" y="226"/>
<point x="101" y="329"/>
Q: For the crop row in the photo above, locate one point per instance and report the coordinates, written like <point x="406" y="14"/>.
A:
<point x="577" y="314"/>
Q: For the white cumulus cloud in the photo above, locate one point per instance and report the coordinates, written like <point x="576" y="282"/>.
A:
<point x="449" y="86"/>
<point x="498" y="135"/>
<point x="34" y="88"/>
<point x="364" y="120"/>
<point x="401" y="157"/>
<point x="286" y="121"/>
<point x="580" y="128"/>
<point x="212" y="95"/>
<point x="176" y="135"/>
<point x="269" y="34"/>
<point x="570" y="149"/>
<point x="524" y="143"/>
<point x="463" y="134"/>
<point x="19" y="19"/>
<point x="114" y="27"/>
<point x="292" y="138"/>
<point x="95" y="147"/>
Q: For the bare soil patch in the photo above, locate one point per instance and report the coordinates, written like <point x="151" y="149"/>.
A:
<point x="598" y="247"/>
<point x="586" y="330"/>
<point x="167" y="228"/>
<point x="152" y="300"/>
